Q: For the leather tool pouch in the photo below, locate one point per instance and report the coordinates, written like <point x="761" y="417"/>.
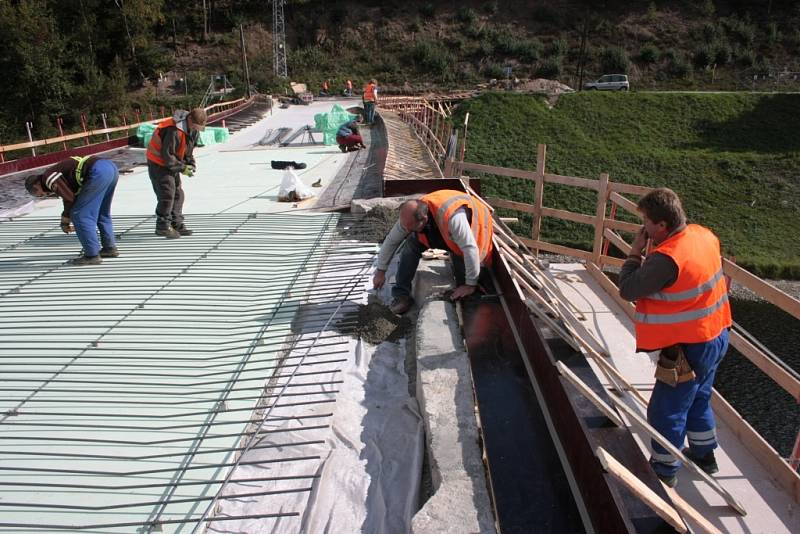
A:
<point x="673" y="368"/>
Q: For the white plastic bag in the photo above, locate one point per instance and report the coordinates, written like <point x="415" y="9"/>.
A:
<point x="292" y="189"/>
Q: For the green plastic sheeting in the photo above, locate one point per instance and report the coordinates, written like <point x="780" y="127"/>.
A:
<point x="209" y="136"/>
<point x="329" y="123"/>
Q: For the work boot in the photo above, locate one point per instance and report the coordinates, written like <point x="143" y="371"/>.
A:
<point x="401" y="304"/>
<point x="109" y="252"/>
<point x="343" y="148"/>
<point x="168" y="232"/>
<point x="669" y="480"/>
<point x="707" y="463"/>
<point x="85" y="260"/>
<point x="183" y="230"/>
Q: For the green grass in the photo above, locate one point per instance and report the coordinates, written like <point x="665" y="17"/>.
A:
<point x="733" y="158"/>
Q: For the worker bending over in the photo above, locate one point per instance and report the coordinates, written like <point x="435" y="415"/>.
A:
<point x="682" y="310"/>
<point x="170" y="154"/>
<point x="86" y="186"/>
<point x="348" y="136"/>
<point x="445" y="219"/>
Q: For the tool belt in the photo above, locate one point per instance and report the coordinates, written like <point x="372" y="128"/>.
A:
<point x="673" y="368"/>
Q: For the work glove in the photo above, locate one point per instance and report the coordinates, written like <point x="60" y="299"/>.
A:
<point x="188" y="171"/>
<point x="66" y="225"/>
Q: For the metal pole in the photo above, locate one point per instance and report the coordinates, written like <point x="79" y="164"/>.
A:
<point x="244" y="62"/>
<point x="60" y="123"/>
<point x="28" y="126"/>
<point x="105" y="126"/>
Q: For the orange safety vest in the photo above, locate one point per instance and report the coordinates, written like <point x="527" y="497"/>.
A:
<point x="154" y="148"/>
<point x="695" y="308"/>
<point x="443" y="204"/>
<point x="369" y="92"/>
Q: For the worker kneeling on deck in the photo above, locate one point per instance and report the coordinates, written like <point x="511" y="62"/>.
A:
<point x="450" y="220"/>
<point x="86" y="185"/>
<point x="348" y="136"/>
<point x="682" y="310"/>
<point x="169" y="155"/>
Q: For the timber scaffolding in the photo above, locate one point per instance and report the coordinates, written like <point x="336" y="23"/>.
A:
<point x="544" y="318"/>
<point x="90" y="141"/>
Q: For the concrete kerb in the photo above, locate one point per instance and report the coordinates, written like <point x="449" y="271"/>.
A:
<point x="460" y="502"/>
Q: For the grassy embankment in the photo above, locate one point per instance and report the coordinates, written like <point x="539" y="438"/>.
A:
<point x="733" y="158"/>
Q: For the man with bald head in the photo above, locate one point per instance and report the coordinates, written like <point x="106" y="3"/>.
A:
<point x="447" y="219"/>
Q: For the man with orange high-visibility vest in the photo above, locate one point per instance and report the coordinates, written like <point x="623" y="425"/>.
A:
<point x="682" y="311"/>
<point x="370" y="100"/>
<point x="170" y="154"/>
<point x="446" y="219"/>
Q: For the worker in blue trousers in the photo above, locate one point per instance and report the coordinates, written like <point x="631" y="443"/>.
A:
<point x="682" y="310"/>
<point x="86" y="186"/>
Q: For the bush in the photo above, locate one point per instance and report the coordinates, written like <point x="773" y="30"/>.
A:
<point x="614" y="59"/>
<point x="466" y="15"/>
<point x="433" y="58"/>
<point x="742" y="31"/>
<point x="494" y="70"/>
<point x="745" y="57"/>
<point x="703" y="56"/>
<point x="722" y="54"/>
<point x="710" y="32"/>
<point x="549" y="68"/>
<point x="678" y="67"/>
<point x="529" y="50"/>
<point x="427" y="10"/>
<point x="648" y="54"/>
<point x="557" y="48"/>
<point x="491" y="8"/>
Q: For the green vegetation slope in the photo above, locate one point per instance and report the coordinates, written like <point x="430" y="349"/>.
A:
<point x="733" y="158"/>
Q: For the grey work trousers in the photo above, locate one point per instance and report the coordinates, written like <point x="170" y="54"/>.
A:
<point x="169" y="196"/>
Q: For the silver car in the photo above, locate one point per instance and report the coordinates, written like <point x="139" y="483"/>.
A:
<point x="609" y="82"/>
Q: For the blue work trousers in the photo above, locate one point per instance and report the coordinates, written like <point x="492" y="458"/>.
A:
<point x="369" y="111"/>
<point x="685" y="411"/>
<point x="92" y="208"/>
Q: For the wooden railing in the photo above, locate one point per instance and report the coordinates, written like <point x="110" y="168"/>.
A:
<point x="216" y="109"/>
<point x="607" y="231"/>
<point x="430" y="121"/>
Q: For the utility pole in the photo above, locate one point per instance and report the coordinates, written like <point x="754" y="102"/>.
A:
<point x="278" y="39"/>
<point x="205" y="22"/>
<point x="244" y="63"/>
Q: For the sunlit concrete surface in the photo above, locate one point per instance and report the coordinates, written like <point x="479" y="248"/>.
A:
<point x="127" y="388"/>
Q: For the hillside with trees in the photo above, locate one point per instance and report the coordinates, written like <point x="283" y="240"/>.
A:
<point x="68" y="58"/>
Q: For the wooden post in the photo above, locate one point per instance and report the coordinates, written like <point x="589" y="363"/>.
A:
<point x="538" y="194"/>
<point x="600" y="215"/>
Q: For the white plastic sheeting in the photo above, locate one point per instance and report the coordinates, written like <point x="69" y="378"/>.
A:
<point x="356" y="437"/>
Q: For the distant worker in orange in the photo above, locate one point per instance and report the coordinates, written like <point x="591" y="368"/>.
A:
<point x="682" y="310"/>
<point x="446" y="219"/>
<point x="370" y="100"/>
<point x="170" y="154"/>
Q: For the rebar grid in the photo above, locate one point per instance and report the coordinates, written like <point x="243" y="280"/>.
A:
<point x="134" y="383"/>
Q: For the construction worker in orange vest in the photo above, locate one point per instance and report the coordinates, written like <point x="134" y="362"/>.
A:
<point x="682" y="311"/>
<point x="370" y="100"/>
<point x="349" y="89"/>
<point x="450" y="220"/>
<point x="170" y="154"/>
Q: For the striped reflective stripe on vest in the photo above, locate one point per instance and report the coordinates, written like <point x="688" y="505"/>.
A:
<point x="443" y="209"/>
<point x="473" y="205"/>
<point x="51" y="179"/>
<point x="689" y="293"/>
<point x="670" y="318"/>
